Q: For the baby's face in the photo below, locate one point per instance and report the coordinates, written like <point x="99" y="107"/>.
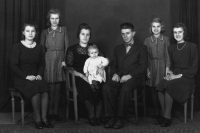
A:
<point x="93" y="53"/>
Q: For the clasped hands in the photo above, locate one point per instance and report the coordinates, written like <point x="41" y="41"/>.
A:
<point x="32" y="78"/>
<point x="124" y="78"/>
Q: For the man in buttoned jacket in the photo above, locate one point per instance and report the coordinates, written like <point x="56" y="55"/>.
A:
<point x="128" y="68"/>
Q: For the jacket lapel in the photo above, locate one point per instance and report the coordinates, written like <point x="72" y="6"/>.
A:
<point x="132" y="50"/>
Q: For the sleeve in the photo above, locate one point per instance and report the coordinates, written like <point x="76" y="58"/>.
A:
<point x="69" y="58"/>
<point x="167" y="60"/>
<point x="66" y="39"/>
<point x="141" y="69"/>
<point x="85" y="68"/>
<point x="114" y="68"/>
<point x="41" y="64"/>
<point x="148" y="57"/>
<point x="15" y="62"/>
<point x="43" y="40"/>
<point x="104" y="61"/>
<point x="192" y="70"/>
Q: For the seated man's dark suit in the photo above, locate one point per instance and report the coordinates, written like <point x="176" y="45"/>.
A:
<point x="134" y="63"/>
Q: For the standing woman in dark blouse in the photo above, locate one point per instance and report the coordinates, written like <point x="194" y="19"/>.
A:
<point x="27" y="63"/>
<point x="180" y="82"/>
<point x="55" y="42"/>
<point x="76" y="56"/>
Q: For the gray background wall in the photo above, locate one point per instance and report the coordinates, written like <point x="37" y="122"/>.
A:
<point x="105" y="16"/>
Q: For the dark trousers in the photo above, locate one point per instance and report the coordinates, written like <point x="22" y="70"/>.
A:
<point x="117" y="96"/>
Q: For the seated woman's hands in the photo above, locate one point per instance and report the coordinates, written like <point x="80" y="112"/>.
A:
<point x="172" y="76"/>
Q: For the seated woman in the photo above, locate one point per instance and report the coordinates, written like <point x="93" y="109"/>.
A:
<point x="27" y="63"/>
<point x="179" y="82"/>
<point x="76" y="56"/>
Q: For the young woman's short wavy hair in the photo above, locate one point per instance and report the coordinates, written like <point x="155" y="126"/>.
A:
<point x="31" y="24"/>
<point x="157" y="20"/>
<point x="83" y="26"/>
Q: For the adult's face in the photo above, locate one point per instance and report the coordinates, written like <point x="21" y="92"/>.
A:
<point x="179" y="34"/>
<point x="54" y="20"/>
<point x="29" y="33"/>
<point x="156" y="28"/>
<point x="84" y="36"/>
<point x="127" y="35"/>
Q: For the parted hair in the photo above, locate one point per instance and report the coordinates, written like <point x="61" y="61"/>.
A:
<point x="54" y="11"/>
<point x="157" y="20"/>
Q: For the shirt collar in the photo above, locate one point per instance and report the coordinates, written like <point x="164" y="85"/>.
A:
<point x="130" y="44"/>
<point x="50" y="30"/>
<point x="153" y="38"/>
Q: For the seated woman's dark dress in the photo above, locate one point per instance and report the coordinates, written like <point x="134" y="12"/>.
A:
<point x="28" y="61"/>
<point x="76" y="57"/>
<point x="183" y="61"/>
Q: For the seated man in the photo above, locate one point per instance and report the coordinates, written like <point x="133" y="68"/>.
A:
<point x="128" y="66"/>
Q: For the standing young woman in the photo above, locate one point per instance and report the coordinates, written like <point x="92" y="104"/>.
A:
<point x="55" y="42"/>
<point x="179" y="84"/>
<point x="76" y="56"/>
<point x="158" y="61"/>
<point x="27" y="63"/>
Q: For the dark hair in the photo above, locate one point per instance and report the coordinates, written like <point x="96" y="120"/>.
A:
<point x="185" y="32"/>
<point x="93" y="47"/>
<point x="127" y="25"/>
<point x="157" y="20"/>
<point x="54" y="11"/>
<point x="31" y="24"/>
<point x="83" y="26"/>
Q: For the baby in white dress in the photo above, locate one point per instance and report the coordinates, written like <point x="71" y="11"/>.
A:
<point x="92" y="66"/>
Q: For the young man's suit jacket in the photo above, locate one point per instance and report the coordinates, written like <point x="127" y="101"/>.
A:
<point x="134" y="62"/>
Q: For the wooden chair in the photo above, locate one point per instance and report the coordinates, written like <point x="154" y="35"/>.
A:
<point x="15" y="93"/>
<point x="136" y="97"/>
<point x="192" y="108"/>
<point x="71" y="87"/>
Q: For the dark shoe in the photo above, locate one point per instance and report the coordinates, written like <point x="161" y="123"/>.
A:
<point x="57" y="118"/>
<point x="119" y="124"/>
<point x="110" y="123"/>
<point x="99" y="121"/>
<point x="50" y="117"/>
<point x="159" y="120"/>
<point x="39" y="125"/>
<point x="166" y="122"/>
<point x="92" y="121"/>
<point x="47" y="124"/>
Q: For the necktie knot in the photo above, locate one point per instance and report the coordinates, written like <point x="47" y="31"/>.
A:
<point x="128" y="44"/>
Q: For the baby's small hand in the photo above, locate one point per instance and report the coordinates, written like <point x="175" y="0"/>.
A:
<point x="100" y="71"/>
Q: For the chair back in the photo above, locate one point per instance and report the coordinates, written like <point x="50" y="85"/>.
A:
<point x="70" y="80"/>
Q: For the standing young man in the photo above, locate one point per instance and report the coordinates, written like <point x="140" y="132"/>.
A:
<point x="128" y="66"/>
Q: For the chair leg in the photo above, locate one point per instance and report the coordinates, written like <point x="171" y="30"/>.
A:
<point x="22" y="110"/>
<point x="135" y="103"/>
<point x="67" y="109"/>
<point x="75" y="108"/>
<point x="144" y="102"/>
<point x="13" y="109"/>
<point x="192" y="106"/>
<point x="185" y="112"/>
